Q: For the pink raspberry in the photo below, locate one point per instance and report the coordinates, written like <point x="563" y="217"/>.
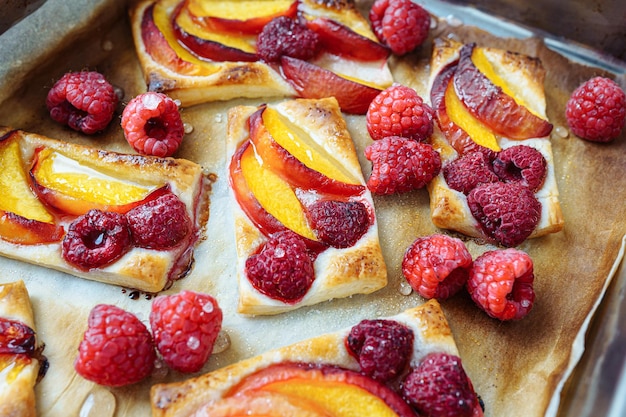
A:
<point x="468" y="171"/>
<point x="283" y="269"/>
<point x="399" y="111"/>
<point x="507" y="212"/>
<point x="596" y="110"/>
<point x="437" y="266"/>
<point x="337" y="223"/>
<point x="116" y="349"/>
<point x="85" y="101"/>
<point x="382" y="347"/>
<point x="400" y="165"/>
<point x="185" y="327"/>
<point x="501" y="283"/>
<point x="439" y="386"/>
<point x="521" y="164"/>
<point x="402" y="25"/>
<point x="152" y="124"/>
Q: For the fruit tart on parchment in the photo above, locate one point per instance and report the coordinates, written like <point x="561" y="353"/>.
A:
<point x="509" y="362"/>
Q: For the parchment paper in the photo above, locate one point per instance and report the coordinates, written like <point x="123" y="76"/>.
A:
<point x="517" y="367"/>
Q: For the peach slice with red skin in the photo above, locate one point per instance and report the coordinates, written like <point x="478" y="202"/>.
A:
<point x="339" y="39"/>
<point x="289" y="167"/>
<point x="489" y="104"/>
<point x="312" y="81"/>
<point x="206" y="48"/>
<point x="248" y="26"/>
<point x="338" y="391"/>
<point x="22" y="231"/>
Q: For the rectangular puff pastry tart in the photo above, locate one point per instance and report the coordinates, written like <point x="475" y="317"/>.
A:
<point x="497" y="180"/>
<point x="305" y="225"/>
<point x="97" y="214"/>
<point x="336" y="374"/>
<point x="198" y="51"/>
<point x="20" y="356"/>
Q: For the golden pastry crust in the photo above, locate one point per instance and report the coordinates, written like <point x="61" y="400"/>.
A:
<point x="428" y="323"/>
<point x="339" y="273"/>
<point x="17" y="394"/>
<point x="449" y="209"/>
<point x="142" y="269"/>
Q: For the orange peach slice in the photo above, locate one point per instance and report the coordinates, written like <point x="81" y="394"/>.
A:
<point x="74" y="188"/>
<point x="287" y="151"/>
<point x="339" y="392"/>
<point x="17" y="196"/>
<point x="22" y="231"/>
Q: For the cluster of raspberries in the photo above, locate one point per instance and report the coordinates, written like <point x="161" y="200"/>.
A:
<point x="184" y="329"/>
<point x="437" y="385"/>
<point x="499" y="281"/>
<point x="400" y="123"/>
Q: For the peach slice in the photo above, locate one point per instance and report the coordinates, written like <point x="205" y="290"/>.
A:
<point x="237" y="16"/>
<point x="309" y="168"/>
<point x="17" y="196"/>
<point x="212" y="45"/>
<point x="12" y="365"/>
<point x="75" y="188"/>
<point x="339" y="39"/>
<point x="160" y="43"/>
<point x="312" y="81"/>
<point x="22" y="231"/>
<point x="488" y="102"/>
<point x="338" y="391"/>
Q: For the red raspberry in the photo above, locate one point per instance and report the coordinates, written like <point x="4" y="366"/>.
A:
<point x="152" y="124"/>
<point x="439" y="386"/>
<point x="402" y="25"/>
<point x="507" y="212"/>
<point x="116" y="349"/>
<point x="501" y="283"/>
<point x="468" y="171"/>
<point x="339" y="223"/>
<point x="400" y="165"/>
<point x="284" y="36"/>
<point x="185" y="326"/>
<point x="16" y="338"/>
<point x="521" y="164"/>
<point x="160" y="223"/>
<point x="283" y="269"/>
<point x="96" y="239"/>
<point x="85" y="101"/>
<point x="437" y="266"/>
<point x="382" y="347"/>
<point x="596" y="110"/>
<point x="399" y="111"/>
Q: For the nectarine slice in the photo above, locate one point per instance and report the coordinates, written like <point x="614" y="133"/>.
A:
<point x="312" y="81"/>
<point x="17" y="196"/>
<point x="489" y="103"/>
<point x="22" y="231"/>
<point x="338" y="391"/>
<point x="74" y="187"/>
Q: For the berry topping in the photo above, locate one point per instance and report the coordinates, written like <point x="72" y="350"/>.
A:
<point x="400" y="165"/>
<point x="399" y="111"/>
<point x="437" y="266"/>
<point x="382" y="347"/>
<point x="84" y="101"/>
<point x="286" y="37"/>
<point x="507" y="212"/>
<point x="116" y="349"/>
<point x="282" y="269"/>
<point x="596" y="110"/>
<point x="96" y="239"/>
<point x="185" y="327"/>
<point x="160" y="223"/>
<point x="152" y="124"/>
<point x="439" y="386"/>
<point x="337" y="223"/>
<point x="468" y="171"/>
<point x="501" y="283"/>
<point x="521" y="164"/>
<point x="16" y="338"/>
<point x="402" y="25"/>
